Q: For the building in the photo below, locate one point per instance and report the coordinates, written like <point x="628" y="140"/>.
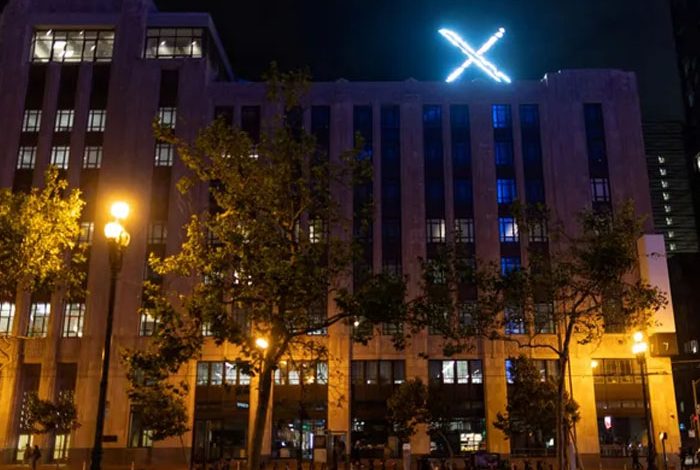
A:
<point x="88" y="77"/>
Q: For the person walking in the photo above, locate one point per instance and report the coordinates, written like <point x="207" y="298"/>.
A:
<point x="36" y="455"/>
<point x="27" y="457"/>
<point x="636" y="465"/>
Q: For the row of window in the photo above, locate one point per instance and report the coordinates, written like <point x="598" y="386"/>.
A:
<point x="464" y="230"/>
<point x="64" y="121"/>
<point x="73" y="319"/>
<point x="157" y="233"/>
<point x="92" y="156"/>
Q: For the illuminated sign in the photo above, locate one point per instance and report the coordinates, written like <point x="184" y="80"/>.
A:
<point x="475" y="56"/>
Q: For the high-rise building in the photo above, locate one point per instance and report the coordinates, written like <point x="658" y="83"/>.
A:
<point x="80" y="83"/>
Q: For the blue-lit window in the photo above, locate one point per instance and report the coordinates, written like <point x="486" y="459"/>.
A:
<point x="463" y="192"/>
<point x="509" y="371"/>
<point x="600" y="189"/>
<point x="508" y="230"/>
<point x="510" y="264"/>
<point x="534" y="191"/>
<point x="501" y="116"/>
<point x="503" y="153"/>
<point x="505" y="189"/>
<point x="514" y="321"/>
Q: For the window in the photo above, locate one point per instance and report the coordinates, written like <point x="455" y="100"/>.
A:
<point x="500" y="114"/>
<point x="503" y="153"/>
<point x="148" y="323"/>
<point x="61" y="447"/>
<point x="544" y="318"/>
<point x="23" y="440"/>
<point x="463" y="194"/>
<point x="164" y="155"/>
<point x="600" y="189"/>
<point x="32" y="120"/>
<point x="435" y="230"/>
<point x="26" y="158"/>
<point x="92" y="158"/>
<point x="139" y="436"/>
<point x="64" y="120"/>
<point x="459" y="372"/>
<point x="538" y="231"/>
<point x="616" y="371"/>
<point x="87" y="230"/>
<point x="170" y="43"/>
<point x="7" y="313"/>
<point x="38" y="319"/>
<point x="514" y="321"/>
<point x="59" y="156"/>
<point x="72" y="45"/>
<point x="317" y="230"/>
<point x="97" y="119"/>
<point x="534" y="191"/>
<point x="378" y="372"/>
<point x="464" y="230"/>
<point x="509" y="264"/>
<point x="466" y="314"/>
<point x="157" y="233"/>
<point x="167" y="117"/>
<point x="73" y="318"/>
<point x="392" y="328"/>
<point x="691" y="347"/>
<point x="505" y="189"/>
<point x="508" y="230"/>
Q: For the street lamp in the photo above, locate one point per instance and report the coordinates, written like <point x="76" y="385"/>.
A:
<point x="117" y="241"/>
<point x="262" y="343"/>
<point x="639" y="349"/>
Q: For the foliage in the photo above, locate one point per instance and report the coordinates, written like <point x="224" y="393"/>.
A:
<point x="532" y="405"/>
<point x="262" y="259"/>
<point x="45" y="416"/>
<point x="39" y="238"/>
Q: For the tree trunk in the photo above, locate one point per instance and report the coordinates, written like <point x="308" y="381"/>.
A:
<point x="561" y="436"/>
<point x="264" y="392"/>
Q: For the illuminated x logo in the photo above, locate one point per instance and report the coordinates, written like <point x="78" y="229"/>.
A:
<point x="476" y="57"/>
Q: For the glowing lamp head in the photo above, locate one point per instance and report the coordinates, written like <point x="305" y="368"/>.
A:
<point x="639" y="348"/>
<point x="113" y="230"/>
<point x="119" y="210"/>
<point x="594" y="363"/>
<point x="262" y="343"/>
<point x="356" y="323"/>
<point x="638" y="337"/>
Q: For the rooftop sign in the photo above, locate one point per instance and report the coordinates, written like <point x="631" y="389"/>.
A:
<point x="475" y="57"/>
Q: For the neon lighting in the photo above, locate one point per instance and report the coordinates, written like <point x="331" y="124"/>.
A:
<point x="475" y="57"/>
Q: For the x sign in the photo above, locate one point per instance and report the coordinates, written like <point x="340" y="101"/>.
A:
<point x="475" y="57"/>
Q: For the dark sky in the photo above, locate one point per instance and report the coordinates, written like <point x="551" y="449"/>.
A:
<point x="398" y="39"/>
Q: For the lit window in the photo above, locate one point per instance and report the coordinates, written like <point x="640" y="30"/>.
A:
<point x="664" y="184"/>
<point x="206" y="329"/>
<point x="538" y="231"/>
<point x="391" y="329"/>
<point x="216" y="373"/>
<point x="139" y="436"/>
<point x="174" y="42"/>
<point x="148" y="323"/>
<point x="61" y="447"/>
<point x="661" y="159"/>
<point x="92" y="158"/>
<point x="97" y="119"/>
<point x="505" y="190"/>
<point x="435" y="229"/>
<point x="666" y="196"/>
<point x="7" y="313"/>
<point x="23" y="441"/>
<point x="32" y="120"/>
<point x="64" y="120"/>
<point x="662" y="171"/>
<point x="509" y="264"/>
<point x="72" y="45"/>
<point x="669" y="221"/>
<point x="87" y="229"/>
<point x="508" y="230"/>
<point x="464" y="230"/>
<point x="73" y="320"/>
<point x="600" y="189"/>
<point x="317" y="230"/>
<point x="514" y="321"/>
<point x="672" y="246"/>
<point x="38" y="319"/>
<point x="59" y="156"/>
<point x="667" y="208"/>
<point x="448" y="372"/>
<point x="157" y="233"/>
<point x="164" y="155"/>
<point x="26" y="158"/>
<point x="500" y="114"/>
<point x="167" y="117"/>
<point x="671" y="234"/>
<point x="458" y="372"/>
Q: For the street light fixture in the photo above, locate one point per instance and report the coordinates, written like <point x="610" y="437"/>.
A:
<point x="117" y="241"/>
<point x="262" y="343"/>
<point x="639" y="349"/>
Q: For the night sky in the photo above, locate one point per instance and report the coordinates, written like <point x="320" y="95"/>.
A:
<point x="398" y="39"/>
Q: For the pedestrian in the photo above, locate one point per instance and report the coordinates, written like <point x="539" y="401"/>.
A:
<point x="36" y="455"/>
<point x="635" y="458"/>
<point x="27" y="457"/>
<point x="355" y="452"/>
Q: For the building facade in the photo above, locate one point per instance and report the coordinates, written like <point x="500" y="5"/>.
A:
<point x="81" y="82"/>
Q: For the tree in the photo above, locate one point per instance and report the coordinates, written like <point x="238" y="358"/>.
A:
<point x="412" y="404"/>
<point x="262" y="260"/>
<point x="586" y="283"/>
<point x="60" y="417"/>
<point x="531" y="411"/>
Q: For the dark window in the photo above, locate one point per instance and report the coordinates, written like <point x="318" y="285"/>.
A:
<point x="463" y="192"/>
<point x="378" y="372"/>
<point x="503" y="153"/>
<point x="534" y="191"/>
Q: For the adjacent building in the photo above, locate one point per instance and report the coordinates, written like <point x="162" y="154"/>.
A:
<point x="81" y="82"/>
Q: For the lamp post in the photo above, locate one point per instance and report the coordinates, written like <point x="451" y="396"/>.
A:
<point x="639" y="348"/>
<point x="117" y="241"/>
